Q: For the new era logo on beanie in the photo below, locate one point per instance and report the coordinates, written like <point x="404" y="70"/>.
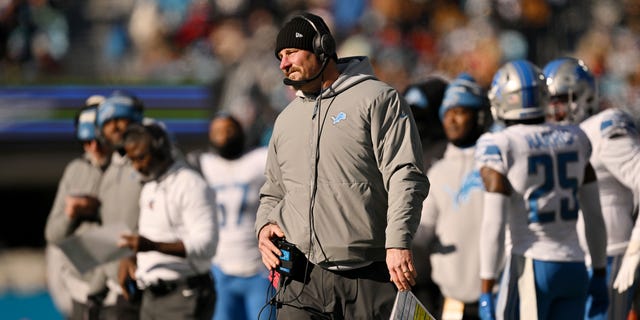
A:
<point x="297" y="33"/>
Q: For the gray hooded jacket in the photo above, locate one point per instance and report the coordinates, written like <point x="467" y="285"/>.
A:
<point x="344" y="171"/>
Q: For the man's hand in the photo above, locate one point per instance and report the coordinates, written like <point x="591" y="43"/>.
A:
<point x="81" y="206"/>
<point x="401" y="269"/>
<point x="126" y="271"/>
<point x="135" y="242"/>
<point x="626" y="274"/>
<point x="270" y="253"/>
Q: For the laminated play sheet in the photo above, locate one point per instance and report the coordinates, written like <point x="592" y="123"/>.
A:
<point x="407" y="306"/>
<point x="95" y="247"/>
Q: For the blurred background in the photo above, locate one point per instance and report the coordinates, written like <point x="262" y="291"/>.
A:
<point x="187" y="59"/>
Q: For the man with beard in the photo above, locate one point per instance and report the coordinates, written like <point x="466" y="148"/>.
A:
<point x="236" y="174"/>
<point x="344" y="183"/>
<point x="75" y="211"/>
<point x="118" y="193"/>
<point x="177" y="235"/>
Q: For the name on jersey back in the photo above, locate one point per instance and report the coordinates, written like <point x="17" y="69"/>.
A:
<point x="550" y="139"/>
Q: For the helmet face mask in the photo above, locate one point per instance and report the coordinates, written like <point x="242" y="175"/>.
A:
<point x="572" y="89"/>
<point x="518" y="92"/>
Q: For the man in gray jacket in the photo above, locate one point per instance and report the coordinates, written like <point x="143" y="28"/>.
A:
<point x="119" y="192"/>
<point x="345" y="183"/>
<point x="75" y="211"/>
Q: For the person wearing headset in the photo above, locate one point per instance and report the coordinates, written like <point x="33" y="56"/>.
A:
<point x="345" y="183"/>
<point x="177" y="235"/>
<point x="74" y="211"/>
<point x="450" y="215"/>
<point x="118" y="192"/>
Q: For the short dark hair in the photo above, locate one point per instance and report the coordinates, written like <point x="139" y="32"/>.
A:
<point x="153" y="134"/>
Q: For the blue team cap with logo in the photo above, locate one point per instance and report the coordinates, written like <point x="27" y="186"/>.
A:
<point x="416" y="97"/>
<point x="118" y="107"/>
<point x="86" y="125"/>
<point x="464" y="91"/>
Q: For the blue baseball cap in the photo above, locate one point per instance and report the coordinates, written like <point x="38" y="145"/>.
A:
<point x="86" y="124"/>
<point x="463" y="91"/>
<point x="118" y="106"/>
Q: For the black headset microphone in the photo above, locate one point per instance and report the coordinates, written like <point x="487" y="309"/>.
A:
<point x="324" y="48"/>
<point x="295" y="83"/>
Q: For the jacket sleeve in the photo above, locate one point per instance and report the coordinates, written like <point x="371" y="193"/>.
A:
<point x="58" y="225"/>
<point x="398" y="152"/>
<point x="272" y="192"/>
<point x="198" y="207"/>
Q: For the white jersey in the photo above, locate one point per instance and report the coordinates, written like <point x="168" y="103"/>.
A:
<point x="453" y="213"/>
<point x="237" y="184"/>
<point x="616" y="161"/>
<point x="545" y="166"/>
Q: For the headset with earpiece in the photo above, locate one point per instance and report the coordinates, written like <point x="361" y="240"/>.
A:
<point x="160" y="146"/>
<point x="324" y="46"/>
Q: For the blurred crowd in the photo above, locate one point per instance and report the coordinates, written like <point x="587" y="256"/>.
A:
<point x="227" y="44"/>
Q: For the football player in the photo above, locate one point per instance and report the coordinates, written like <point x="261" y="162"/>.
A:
<point x="616" y="161"/>
<point x="537" y="176"/>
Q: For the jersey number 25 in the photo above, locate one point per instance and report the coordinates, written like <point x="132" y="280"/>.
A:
<point x="553" y="177"/>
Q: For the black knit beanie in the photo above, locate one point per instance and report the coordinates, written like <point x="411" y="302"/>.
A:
<point x="299" y="33"/>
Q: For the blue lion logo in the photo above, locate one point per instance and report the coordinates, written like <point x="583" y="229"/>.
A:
<point x="470" y="182"/>
<point x="341" y="116"/>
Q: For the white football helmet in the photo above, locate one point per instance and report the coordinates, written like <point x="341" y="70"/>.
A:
<point x="572" y="88"/>
<point x="518" y="92"/>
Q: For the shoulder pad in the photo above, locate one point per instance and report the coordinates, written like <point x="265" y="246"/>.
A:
<point x="617" y="124"/>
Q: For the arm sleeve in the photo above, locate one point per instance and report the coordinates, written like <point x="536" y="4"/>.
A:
<point x="492" y="233"/>
<point x="79" y="177"/>
<point x="489" y="153"/>
<point x="198" y="207"/>
<point x="58" y="225"/>
<point x="398" y="152"/>
<point x="595" y="230"/>
<point x="272" y="192"/>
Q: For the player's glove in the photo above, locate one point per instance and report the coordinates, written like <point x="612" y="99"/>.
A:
<point x="487" y="309"/>
<point x="628" y="268"/>
<point x="599" y="297"/>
